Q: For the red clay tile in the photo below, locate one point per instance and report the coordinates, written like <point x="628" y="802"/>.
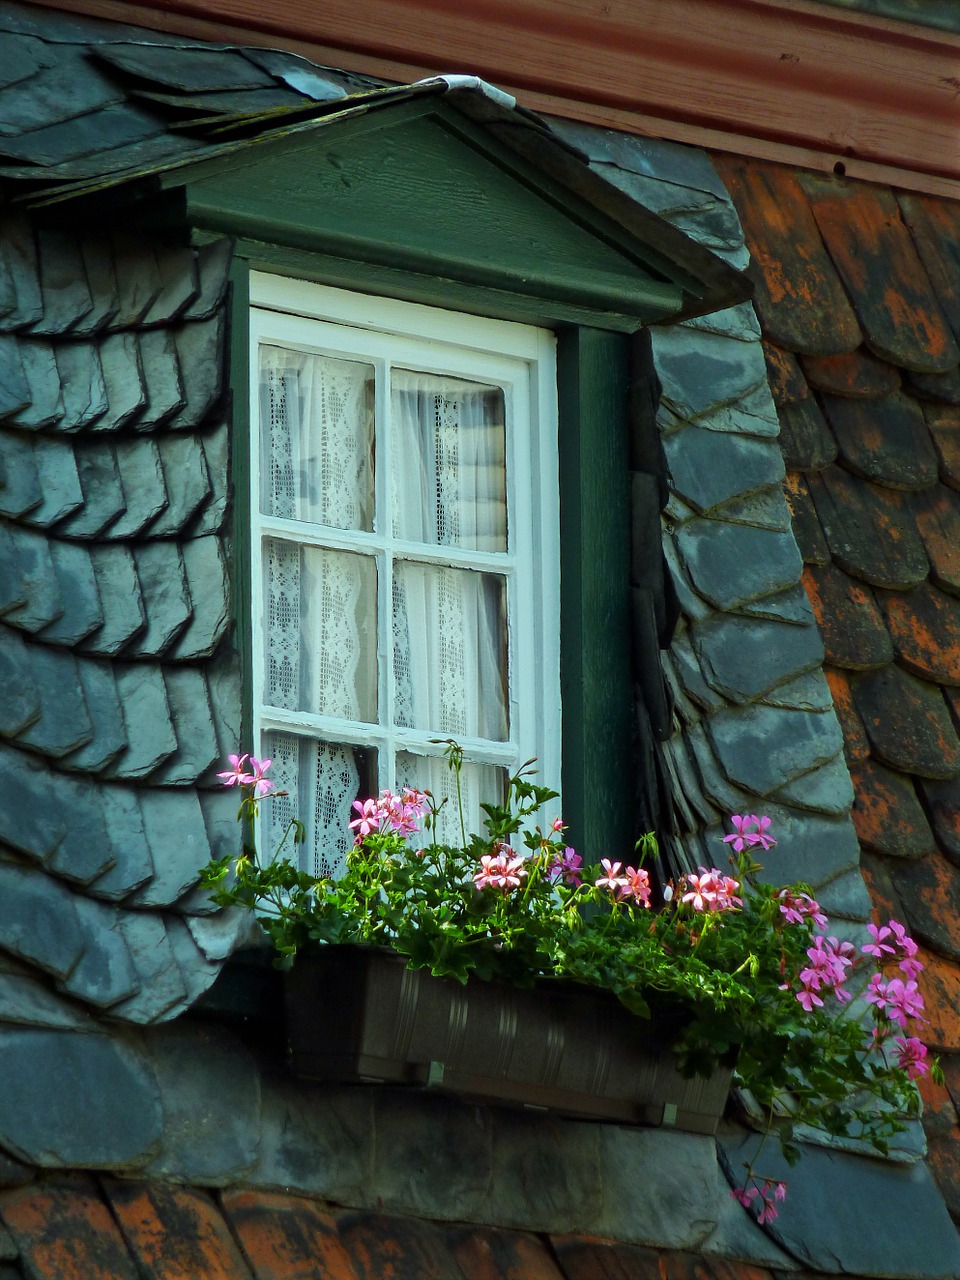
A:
<point x="940" y="985"/>
<point x="878" y="877"/>
<point x="943" y="423"/>
<point x="925" y="626"/>
<point x="855" y="744"/>
<point x="943" y="1157"/>
<point x="907" y="722"/>
<point x="884" y="440"/>
<point x="589" y="1260"/>
<point x="806" y="526"/>
<point x="939" y="1112"/>
<point x="806" y="442"/>
<point x="870" y="530"/>
<point x="951" y="1071"/>
<point x="943" y="805"/>
<point x="65" y="1232"/>
<point x="935" y="227"/>
<point x="938" y="523"/>
<point x="853" y="630"/>
<point x="787" y="383"/>
<point x="799" y="298"/>
<point x="938" y="387"/>
<point x="873" y="252"/>
<point x="485" y="1254"/>
<point x="856" y="374"/>
<point x="175" y="1233"/>
<point x="384" y="1247"/>
<point x="687" y="1266"/>
<point x="886" y="813"/>
<point x="287" y="1237"/>
<point x="930" y="892"/>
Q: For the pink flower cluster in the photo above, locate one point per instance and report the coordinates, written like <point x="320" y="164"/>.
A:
<point x="903" y="946"/>
<point x="237" y="775"/>
<point x="634" y="882"/>
<point x="898" y="999"/>
<point x="711" y="890"/>
<point x="750" y="829"/>
<point x="502" y="869"/>
<point x="565" y="866"/>
<point x="796" y="906"/>
<point x="767" y="1190"/>
<point x="829" y="961"/>
<point x="390" y="813"/>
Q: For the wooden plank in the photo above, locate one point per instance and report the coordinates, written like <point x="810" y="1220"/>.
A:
<point x="855" y="91"/>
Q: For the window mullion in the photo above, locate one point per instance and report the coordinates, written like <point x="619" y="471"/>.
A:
<point x="384" y="482"/>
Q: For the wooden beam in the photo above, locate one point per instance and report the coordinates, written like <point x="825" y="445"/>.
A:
<point x="787" y="80"/>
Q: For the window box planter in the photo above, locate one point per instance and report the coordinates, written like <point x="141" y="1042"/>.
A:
<point x="359" y="1015"/>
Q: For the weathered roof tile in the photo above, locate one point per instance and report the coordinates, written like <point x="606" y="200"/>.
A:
<point x="200" y="352"/>
<point x="935" y="227"/>
<point x="887" y="814"/>
<point x="806" y="440"/>
<point x="930" y="892"/>
<point x="787" y="383"/>
<point x="123" y="381"/>
<point x="70" y="88"/>
<point x="855" y="745"/>
<point x="944" y="427"/>
<point x="161" y="372"/>
<point x="806" y="526"/>
<point x="870" y="530"/>
<point x="63" y="283"/>
<point x="936" y="386"/>
<point x="103" y="497"/>
<point x="149" y="732"/>
<point x="84" y="388"/>
<point x="483" y="1254"/>
<point x="118" y="588"/>
<point x="287" y="1237"/>
<point x="186" y="68"/>
<point x="942" y="801"/>
<point x="143" y="485"/>
<point x="908" y="723"/>
<point x="166" y="597"/>
<point x="46" y="398"/>
<point x="925" y="626"/>
<point x="57" y="470"/>
<point x="800" y="300"/>
<point x="895" y="302"/>
<point x="885" y="440"/>
<point x="175" y="1231"/>
<point x="65" y="722"/>
<point x="938" y="522"/>
<point x="67" y="1231"/>
<point x="856" y="373"/>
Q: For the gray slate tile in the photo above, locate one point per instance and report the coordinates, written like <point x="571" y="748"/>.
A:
<point x="192" y="719"/>
<point x="149" y="733"/>
<point x="123" y="380"/>
<point x="216" y="450"/>
<point x="186" y="479"/>
<point x="133" y="866"/>
<point x="792" y="605"/>
<point x="688" y="669"/>
<point x="889" y="1209"/>
<point x="708" y="468"/>
<point x="161" y="373"/>
<point x="59" y="479"/>
<point x="846" y="897"/>
<point x="692" y="605"/>
<point x="763" y="748"/>
<point x="15" y="391"/>
<point x="77" y="584"/>
<point x="200" y="353"/>
<point x="223" y="683"/>
<point x="84" y="388"/>
<point x="213" y="266"/>
<point x="24" y="1001"/>
<point x="138" y="278"/>
<point x="219" y="808"/>
<point x="217" y="935"/>
<point x="163" y="993"/>
<point x="20" y="704"/>
<point x="105" y="972"/>
<point x="765" y="509"/>
<point x="13" y="590"/>
<point x="20" y="258"/>
<point x="63" y="283"/>
<point x="70" y="88"/>
<point x="64" y="724"/>
<point x="46" y="407"/>
<point x="208" y="587"/>
<point x="179" y="284"/>
<point x="716" y="786"/>
<point x="32" y="567"/>
<point x="825" y="790"/>
<point x="166" y="598"/>
<point x="20" y="489"/>
<point x="701" y="373"/>
<point x="38" y="922"/>
<point x="733" y="322"/>
<point x="119" y="590"/>
<point x="814" y="848"/>
<point x="22" y="57"/>
<point x="198" y="973"/>
<point x="808" y="692"/>
<point x="733" y="564"/>
<point x="177" y="838"/>
<point x="742" y="658"/>
<point x="102" y="700"/>
<point x="142" y="481"/>
<point x="102" y="278"/>
<point x="85" y="851"/>
<point x="110" y="1120"/>
<point x="103" y="497"/>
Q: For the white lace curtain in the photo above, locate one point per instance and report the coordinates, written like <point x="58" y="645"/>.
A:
<point x="448" y="625"/>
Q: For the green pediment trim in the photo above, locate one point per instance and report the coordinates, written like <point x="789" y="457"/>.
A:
<point x="420" y="192"/>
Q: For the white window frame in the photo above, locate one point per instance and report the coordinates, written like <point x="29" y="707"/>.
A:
<point x="520" y="358"/>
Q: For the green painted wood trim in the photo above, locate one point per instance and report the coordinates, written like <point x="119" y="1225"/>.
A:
<point x="239" y="373"/>
<point x="595" y="620"/>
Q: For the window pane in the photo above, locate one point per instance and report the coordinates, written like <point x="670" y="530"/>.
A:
<point x="449" y="475"/>
<point x="478" y="783"/>
<point x="323" y="779"/>
<point x="316" y="458"/>
<point x="320" y="630"/>
<point x="450" y="651"/>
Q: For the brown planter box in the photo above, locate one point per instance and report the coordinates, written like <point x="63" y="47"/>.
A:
<point x="358" y="1014"/>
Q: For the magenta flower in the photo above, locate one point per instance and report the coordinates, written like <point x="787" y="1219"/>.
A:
<point x="711" y="891"/>
<point x="566" y="866"/>
<point x="369" y="819"/>
<point x="501" y="870"/>
<point x="613" y="880"/>
<point x="808" y="998"/>
<point x="749" y="830"/>
<point x="637" y="886"/>
<point x="762" y="823"/>
<point x="797" y="906"/>
<point x="912" y="1055"/>
<point x="904" y="1001"/>
<point x="877" y="947"/>
<point x="263" y="784"/>
<point x="235" y="775"/>
<point x="912" y="968"/>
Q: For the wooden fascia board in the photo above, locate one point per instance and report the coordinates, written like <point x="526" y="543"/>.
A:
<point x="838" y="86"/>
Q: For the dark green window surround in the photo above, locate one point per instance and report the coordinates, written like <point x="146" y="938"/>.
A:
<point x="347" y="208"/>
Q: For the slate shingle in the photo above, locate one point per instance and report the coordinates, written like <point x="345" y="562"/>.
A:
<point x="65" y="722"/>
<point x="208" y="589"/>
<point x="103" y="497"/>
<point x="20" y="489"/>
<point x="133" y="862"/>
<point x="20" y="260"/>
<point x="77" y="585"/>
<point x="179" y="284"/>
<point x="21" y="704"/>
<point x="162" y="989"/>
<point x="806" y="527"/>
<point x="186" y="480"/>
<point x="84" y="387"/>
<point x="31" y="568"/>
<point x="138" y="278"/>
<point x="146" y="712"/>
<point x="57" y="472"/>
<point x="166" y="597"/>
<point x="63" y="283"/>
<point x="15" y="392"/>
<point x="38" y="920"/>
<point x="177" y="838"/>
<point x="200" y="354"/>
<point x="192" y="719"/>
<point x="161" y="372"/>
<point x="102" y="700"/>
<point x="142" y="483"/>
<point x="45" y="407"/>
<point x="123" y="381"/>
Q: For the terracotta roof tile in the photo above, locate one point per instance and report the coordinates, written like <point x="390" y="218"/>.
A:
<point x="869" y="529"/>
<point x="930" y="892"/>
<point x="951" y="1071"/>
<point x="855" y="744"/>
<point x="383" y="1247"/>
<point x="935" y="386"/>
<point x="943" y="422"/>
<point x="799" y="298"/>
<point x="887" y="815"/>
<point x="940" y="986"/>
<point x="485" y="1254"/>
<point x="873" y="252"/>
<point x="806" y="440"/>
<point x="857" y="374"/>
<point x="287" y="1237"/>
<point x="935" y="227"/>
<point x="852" y="626"/>
<point x="590" y="1260"/>
<point x="943" y="1156"/>
<point x="65" y="1232"/>
<point x="925" y="626"/>
<point x="787" y="383"/>
<point x="908" y="723"/>
<point x="942" y="801"/>
<point x="806" y="526"/>
<point x="175" y="1233"/>
<point x="938" y="523"/>
<point x="885" y="440"/>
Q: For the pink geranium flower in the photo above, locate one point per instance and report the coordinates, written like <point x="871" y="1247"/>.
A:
<point x="263" y="784"/>
<point x="912" y="1055"/>
<point x="612" y="880"/>
<point x="566" y="866"/>
<point x="637" y="886"/>
<point x="878" y="946"/>
<point x="236" y="776"/>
